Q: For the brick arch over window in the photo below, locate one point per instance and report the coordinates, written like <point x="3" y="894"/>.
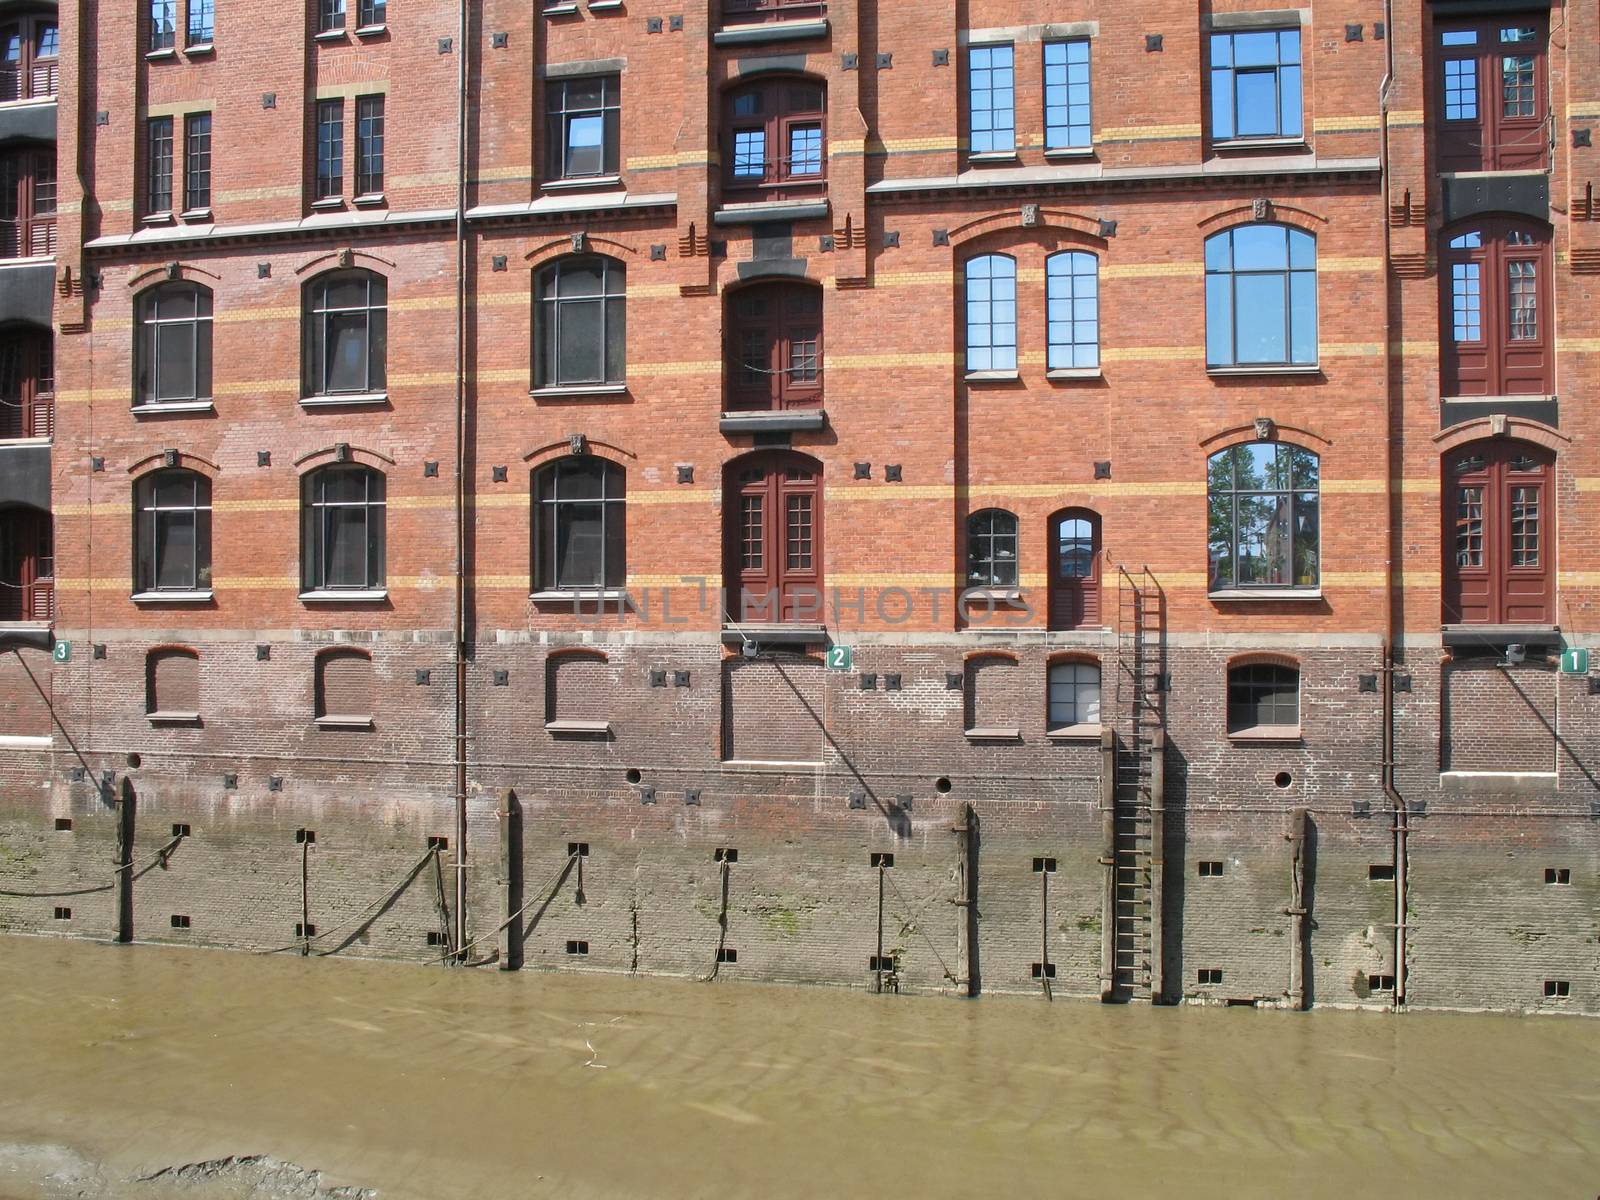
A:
<point x="172" y="684"/>
<point x="579" y="322"/>
<point x="1075" y="554"/>
<point x="1263" y="695"/>
<point x="346" y="335"/>
<point x="171" y="533"/>
<point x="344" y="680"/>
<point x="774" y="345"/>
<point x="1498" y="519"/>
<point x="1072" y="691"/>
<point x="579" y="524"/>
<point x="172" y="345"/>
<point x="1261" y="296"/>
<point x="1496" y="308"/>
<point x="775" y="144"/>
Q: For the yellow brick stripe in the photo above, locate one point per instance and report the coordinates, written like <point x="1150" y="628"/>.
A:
<point x="1147" y="133"/>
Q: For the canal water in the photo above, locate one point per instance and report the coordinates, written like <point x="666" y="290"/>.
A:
<point x="122" y="1063"/>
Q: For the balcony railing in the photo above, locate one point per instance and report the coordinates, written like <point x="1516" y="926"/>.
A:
<point x="33" y="417"/>
<point x="34" y="601"/>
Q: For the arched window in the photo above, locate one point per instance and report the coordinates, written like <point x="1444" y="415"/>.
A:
<point x="1072" y="299"/>
<point x="172" y="357"/>
<point x="27" y="203"/>
<point x="172" y="685"/>
<point x="579" y="525"/>
<point x="27" y="383"/>
<point x="30" y="57"/>
<point x="777" y="131"/>
<point x="991" y="313"/>
<point x="1074" y="569"/>
<point x="579" y="334"/>
<point x="342" y="533"/>
<point x="346" y="335"/>
<point x="1263" y="503"/>
<point x="992" y="548"/>
<point x="1263" y="697"/>
<point x="772" y="537"/>
<point x="27" y="565"/>
<point x="775" y="346"/>
<point x="1074" y="698"/>
<point x="172" y="533"/>
<point x="1261" y="297"/>
<point x="1499" y="534"/>
<point x="344" y="689"/>
<point x="1496" y="311"/>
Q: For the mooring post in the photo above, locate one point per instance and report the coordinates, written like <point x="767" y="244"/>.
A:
<point x="1299" y="822"/>
<point x="1158" y="859"/>
<point x="305" y="896"/>
<point x="1108" y="860"/>
<point x="877" y="962"/>
<point x="127" y="810"/>
<point x="969" y="846"/>
<point x="510" y="816"/>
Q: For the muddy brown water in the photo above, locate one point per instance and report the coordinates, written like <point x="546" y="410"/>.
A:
<point x="431" y="1083"/>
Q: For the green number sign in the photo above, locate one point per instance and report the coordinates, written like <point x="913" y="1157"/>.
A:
<point x="1575" y="661"/>
<point x="840" y="658"/>
<point x="62" y="652"/>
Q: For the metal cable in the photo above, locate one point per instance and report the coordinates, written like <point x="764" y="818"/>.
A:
<point x="160" y="857"/>
<point x="305" y="942"/>
<point x="916" y="923"/>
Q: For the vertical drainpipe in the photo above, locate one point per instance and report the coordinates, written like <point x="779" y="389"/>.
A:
<point x="1397" y="805"/>
<point x="460" y="929"/>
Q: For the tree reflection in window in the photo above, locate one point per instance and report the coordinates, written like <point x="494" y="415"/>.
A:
<point x="1264" y="528"/>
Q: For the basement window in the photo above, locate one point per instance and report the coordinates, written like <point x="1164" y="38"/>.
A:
<point x="1380" y="873"/>
<point x="1210" y="868"/>
<point x="1559" y="876"/>
<point x="1209" y="975"/>
<point x="1557" y="989"/>
<point x="1380" y="983"/>
<point x="577" y="948"/>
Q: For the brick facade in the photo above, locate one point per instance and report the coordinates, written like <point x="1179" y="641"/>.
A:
<point x="639" y="727"/>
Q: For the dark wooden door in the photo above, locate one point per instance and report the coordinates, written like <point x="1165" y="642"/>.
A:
<point x="1075" y="569"/>
<point x="775" y="347"/>
<point x="773" y="513"/>
<point x="1490" y="94"/>
<point x="26" y="566"/>
<point x="1499" y="535"/>
<point x="1495" y="310"/>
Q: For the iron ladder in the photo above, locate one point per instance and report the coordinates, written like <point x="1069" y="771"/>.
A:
<point x="1141" y="687"/>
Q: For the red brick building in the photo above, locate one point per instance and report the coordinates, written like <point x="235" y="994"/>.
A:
<point x="1084" y="495"/>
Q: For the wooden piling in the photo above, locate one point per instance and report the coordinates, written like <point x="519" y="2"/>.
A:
<point x="1108" y="861"/>
<point x="1299" y="916"/>
<point x="127" y="812"/>
<point x="510" y="936"/>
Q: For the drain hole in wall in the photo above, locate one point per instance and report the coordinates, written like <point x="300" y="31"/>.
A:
<point x="1283" y="779"/>
<point x="134" y="760"/>
<point x="633" y="775"/>
<point x="942" y="785"/>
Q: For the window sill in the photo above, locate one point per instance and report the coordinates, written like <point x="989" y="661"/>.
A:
<point x="328" y="203"/>
<point x="196" y="214"/>
<point x="1266" y="733"/>
<point x="194" y="596"/>
<point x="758" y="212"/>
<point x="366" y="31"/>
<point x="23" y="741"/>
<point x="27" y="102"/>
<point x="1235" y="145"/>
<point x="344" y="596"/>
<point x="1267" y="369"/>
<point x="1070" y="373"/>
<point x="586" y="728"/>
<point x="158" y="55"/>
<point x="173" y="406"/>
<point x="1069" y="154"/>
<point x="992" y="595"/>
<point x="994" y="158"/>
<point x="788" y="420"/>
<point x="1541" y="398"/>
<point x="1248" y="595"/>
<point x="559" y="10"/>
<point x="579" y="391"/>
<point x="173" y="718"/>
<point x="768" y="634"/>
<point x="160" y="218"/>
<point x="579" y="183"/>
<point x="344" y="400"/>
<point x="605" y="5"/>
<point x="343" y="722"/>
<point x="369" y="200"/>
<point x="993" y="377"/>
<point x="578" y="595"/>
<point x="329" y="35"/>
<point x="200" y="50"/>
<point x="1074" y="733"/>
<point x="770" y="31"/>
<point x="987" y="734"/>
<point x="25" y="441"/>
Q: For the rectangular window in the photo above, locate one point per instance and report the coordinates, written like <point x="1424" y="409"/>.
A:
<point x="991" y="101"/>
<point x="202" y="16"/>
<point x="158" y="196"/>
<point x="197" y="162"/>
<point x="330" y="15"/>
<point x="583" y="127"/>
<point x="163" y="23"/>
<point x="1255" y="85"/>
<point x="1066" y="96"/>
<point x="371" y="14"/>
<point x="330" y="149"/>
<point x="369" y="145"/>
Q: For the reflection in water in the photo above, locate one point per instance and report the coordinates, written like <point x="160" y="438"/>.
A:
<point x="433" y="1083"/>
